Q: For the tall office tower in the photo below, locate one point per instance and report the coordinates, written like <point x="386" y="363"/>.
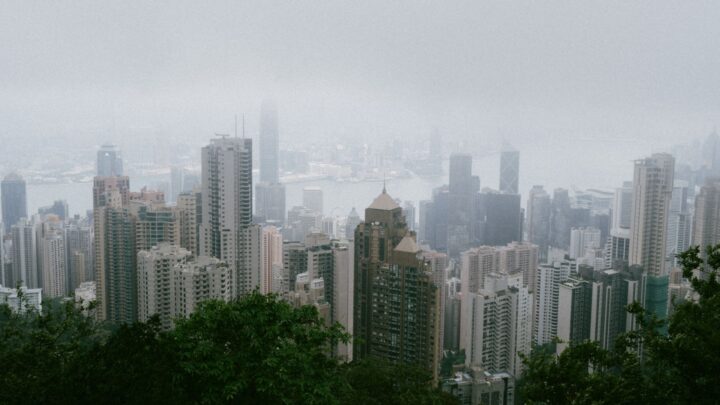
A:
<point x="156" y="281"/>
<point x="439" y="265"/>
<point x="652" y="192"/>
<point x="79" y="252"/>
<point x="549" y="278"/>
<point x="189" y="215"/>
<point x="14" y="201"/>
<point x="679" y="224"/>
<point x="582" y="239"/>
<point x="59" y="208"/>
<point x="461" y="179"/>
<point x="269" y="143"/>
<point x="352" y="221"/>
<point x="409" y="211"/>
<point x="313" y="199"/>
<point x="394" y="290"/>
<point x="617" y="251"/>
<point x="449" y="220"/>
<point x="499" y="325"/>
<point x="574" y="312"/>
<point x="3" y="277"/>
<point x="270" y="194"/>
<point x="706" y="224"/>
<point x="270" y="202"/>
<point x="538" y="219"/>
<point x="295" y="261"/>
<point x="25" y="267"/>
<point x="109" y="161"/>
<point x="562" y="219"/>
<point x="509" y="171"/>
<point x="321" y="265"/>
<point x="176" y="182"/>
<point x="272" y="258"/>
<point x="226" y="227"/>
<point x="52" y="260"/>
<point x="499" y="218"/>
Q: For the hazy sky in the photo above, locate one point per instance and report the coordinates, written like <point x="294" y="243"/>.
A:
<point x="533" y="72"/>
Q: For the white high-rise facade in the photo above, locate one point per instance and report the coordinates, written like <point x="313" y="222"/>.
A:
<point x="498" y="325"/>
<point x="272" y="257"/>
<point x="652" y="191"/>
<point x="549" y="278"/>
<point x="582" y="239"/>
<point x="51" y="252"/>
<point x="226" y="231"/>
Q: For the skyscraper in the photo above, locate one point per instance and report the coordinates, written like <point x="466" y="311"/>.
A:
<point x="538" y="219"/>
<point x="114" y="251"/>
<point x="270" y="194"/>
<point x="499" y="218"/>
<point x="269" y="143"/>
<point x="679" y="224"/>
<point x="652" y="191"/>
<point x="226" y="230"/>
<point x="396" y="299"/>
<point x="14" y="200"/>
<point x="109" y="161"/>
<point x="549" y="278"/>
<point x="25" y="258"/>
<point x="52" y="260"/>
<point x="706" y="231"/>
<point x="498" y="325"/>
<point x="509" y="171"/>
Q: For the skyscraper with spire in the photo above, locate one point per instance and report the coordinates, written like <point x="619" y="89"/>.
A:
<point x="227" y="231"/>
<point x="397" y="302"/>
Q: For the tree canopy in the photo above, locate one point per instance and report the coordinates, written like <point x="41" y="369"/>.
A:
<point x="257" y="349"/>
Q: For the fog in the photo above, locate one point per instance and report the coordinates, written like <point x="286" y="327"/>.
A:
<point x="564" y="76"/>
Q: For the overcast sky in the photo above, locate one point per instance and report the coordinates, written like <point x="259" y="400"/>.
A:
<point x="529" y="71"/>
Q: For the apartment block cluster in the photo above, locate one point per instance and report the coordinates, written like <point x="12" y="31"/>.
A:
<point x="475" y="278"/>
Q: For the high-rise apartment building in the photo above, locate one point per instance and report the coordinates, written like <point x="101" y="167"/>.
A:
<point x="25" y="268"/>
<point x="52" y="260"/>
<point x="203" y="278"/>
<point x="498" y="325"/>
<point x="549" y="278"/>
<point x="156" y="281"/>
<point x="14" y="200"/>
<point x="509" y="171"/>
<point x="272" y="257"/>
<point x="226" y="230"/>
<point x="679" y="225"/>
<point x="706" y="223"/>
<point x="582" y="239"/>
<point x="189" y="214"/>
<point x="396" y="299"/>
<point x="652" y="192"/>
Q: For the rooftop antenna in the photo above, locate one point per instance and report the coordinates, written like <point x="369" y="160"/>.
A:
<point x="384" y="181"/>
<point x="243" y="125"/>
<point x="223" y="136"/>
<point x="235" y="125"/>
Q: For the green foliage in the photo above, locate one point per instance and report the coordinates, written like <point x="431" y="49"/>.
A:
<point x="379" y="382"/>
<point x="257" y="349"/>
<point x="644" y="366"/>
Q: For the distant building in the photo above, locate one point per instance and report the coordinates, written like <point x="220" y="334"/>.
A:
<point x="14" y="200"/>
<point x="509" y="171"/>
<point x="352" y="221"/>
<point x="706" y="231"/>
<point x="538" y="219"/>
<point x="313" y="199"/>
<point x="59" y="208"/>
<point x="476" y="386"/>
<point x="109" y="161"/>
<point x="25" y="267"/>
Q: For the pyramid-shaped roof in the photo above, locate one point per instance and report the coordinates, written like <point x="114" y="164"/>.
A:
<point x="408" y="245"/>
<point x="384" y="202"/>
